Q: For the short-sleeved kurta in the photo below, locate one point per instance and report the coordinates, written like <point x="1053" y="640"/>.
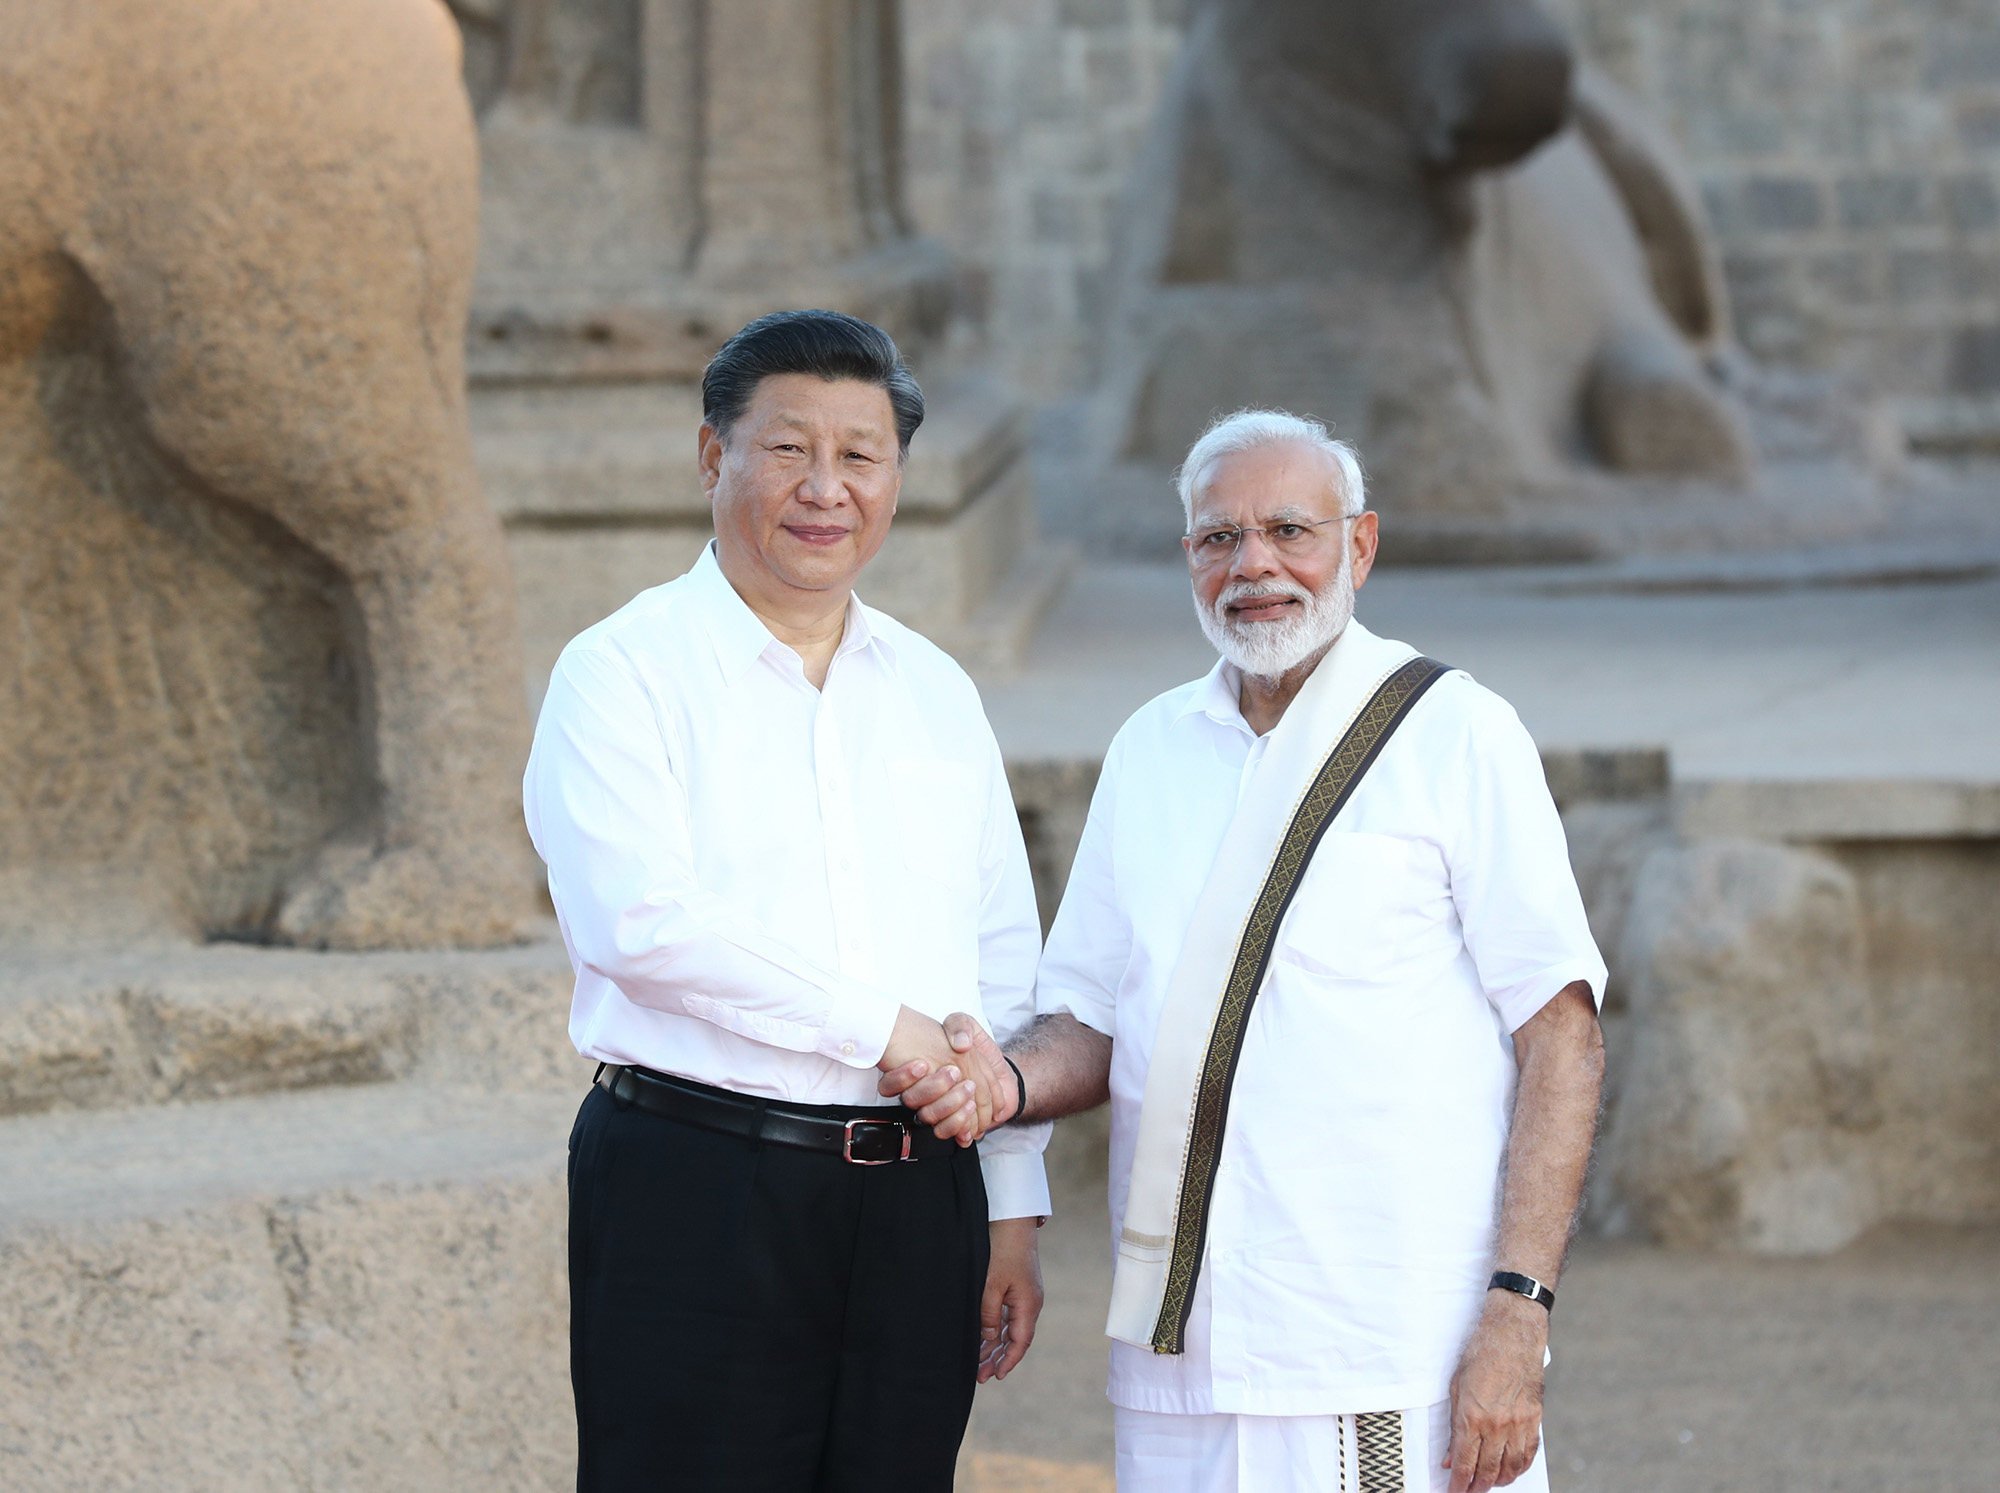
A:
<point x="1350" y="1235"/>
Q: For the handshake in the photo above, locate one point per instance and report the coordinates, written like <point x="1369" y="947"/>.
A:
<point x="950" y="1073"/>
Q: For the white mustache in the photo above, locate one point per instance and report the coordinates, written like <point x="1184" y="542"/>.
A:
<point x="1237" y="591"/>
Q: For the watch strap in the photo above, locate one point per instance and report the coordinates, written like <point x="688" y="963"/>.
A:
<point x="1523" y="1285"/>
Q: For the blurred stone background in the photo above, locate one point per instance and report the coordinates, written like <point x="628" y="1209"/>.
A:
<point x="280" y="1189"/>
<point x="1847" y="154"/>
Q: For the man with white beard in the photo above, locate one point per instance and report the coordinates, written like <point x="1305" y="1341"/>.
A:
<point x="1322" y="949"/>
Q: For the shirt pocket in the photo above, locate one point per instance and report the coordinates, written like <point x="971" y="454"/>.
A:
<point x="1370" y="907"/>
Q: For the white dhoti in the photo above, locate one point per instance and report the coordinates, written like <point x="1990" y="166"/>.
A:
<point x="1390" y="1452"/>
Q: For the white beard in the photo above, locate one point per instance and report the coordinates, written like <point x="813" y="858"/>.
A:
<point x="1268" y="650"/>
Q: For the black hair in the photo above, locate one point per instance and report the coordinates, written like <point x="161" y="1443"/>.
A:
<point x="825" y="344"/>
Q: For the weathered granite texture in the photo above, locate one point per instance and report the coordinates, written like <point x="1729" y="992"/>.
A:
<point x="278" y="1219"/>
<point x="262" y="676"/>
<point x="1802" y="1027"/>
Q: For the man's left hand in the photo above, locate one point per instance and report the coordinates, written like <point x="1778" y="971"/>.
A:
<point x="1012" y="1302"/>
<point x="1496" y="1395"/>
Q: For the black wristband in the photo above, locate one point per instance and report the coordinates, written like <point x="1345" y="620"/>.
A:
<point x="1021" y="1085"/>
<point x="1523" y="1285"/>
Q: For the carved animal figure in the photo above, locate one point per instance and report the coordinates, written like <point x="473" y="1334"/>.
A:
<point x="260" y="665"/>
<point x="1421" y="219"/>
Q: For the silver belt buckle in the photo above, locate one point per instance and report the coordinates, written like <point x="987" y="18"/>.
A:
<point x="847" y="1143"/>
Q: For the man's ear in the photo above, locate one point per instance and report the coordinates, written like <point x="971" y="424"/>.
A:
<point x="708" y="456"/>
<point x="1365" y="538"/>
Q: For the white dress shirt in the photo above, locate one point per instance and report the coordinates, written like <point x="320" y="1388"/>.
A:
<point x="1351" y="1231"/>
<point x="752" y="875"/>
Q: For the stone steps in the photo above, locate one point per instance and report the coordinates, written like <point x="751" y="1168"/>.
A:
<point x="356" y="1287"/>
<point x="154" y="1161"/>
<point x="160" y="1025"/>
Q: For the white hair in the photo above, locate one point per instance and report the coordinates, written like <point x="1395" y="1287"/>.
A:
<point x="1248" y="429"/>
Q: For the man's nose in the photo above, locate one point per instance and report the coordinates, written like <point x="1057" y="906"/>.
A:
<point x="821" y="485"/>
<point x="1255" y="555"/>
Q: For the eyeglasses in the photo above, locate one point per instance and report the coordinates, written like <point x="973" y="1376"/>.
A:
<point x="1221" y="544"/>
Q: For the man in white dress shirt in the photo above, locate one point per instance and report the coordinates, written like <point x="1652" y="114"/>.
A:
<point x="781" y="846"/>
<point x="1322" y="947"/>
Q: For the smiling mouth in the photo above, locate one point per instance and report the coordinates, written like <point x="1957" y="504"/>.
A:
<point x="1261" y="608"/>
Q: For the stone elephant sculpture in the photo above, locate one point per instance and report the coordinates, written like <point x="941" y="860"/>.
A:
<point x="261" y="663"/>
<point x="1423" y="220"/>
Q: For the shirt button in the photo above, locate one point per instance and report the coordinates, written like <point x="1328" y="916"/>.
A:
<point x="847" y="1049"/>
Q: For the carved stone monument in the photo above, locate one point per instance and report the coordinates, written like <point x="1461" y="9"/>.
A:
<point x="1427" y="222"/>
<point x="261" y="672"/>
<point x="656" y="173"/>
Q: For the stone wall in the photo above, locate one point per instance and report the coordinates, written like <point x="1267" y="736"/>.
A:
<point x="1848" y="150"/>
<point x="1020" y="124"/>
<point x="1849" y="155"/>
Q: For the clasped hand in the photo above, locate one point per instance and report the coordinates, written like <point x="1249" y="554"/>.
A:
<point x="951" y="1074"/>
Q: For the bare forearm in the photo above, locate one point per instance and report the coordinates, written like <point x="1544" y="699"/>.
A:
<point x="1561" y="1053"/>
<point x="1065" y="1065"/>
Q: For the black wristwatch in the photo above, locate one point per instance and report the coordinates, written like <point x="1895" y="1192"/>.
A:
<point x="1523" y="1285"/>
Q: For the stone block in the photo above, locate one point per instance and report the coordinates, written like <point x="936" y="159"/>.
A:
<point x="1605" y="774"/>
<point x="1883" y="200"/>
<point x="1110" y="70"/>
<point x="1975" y="274"/>
<point x="1055" y="216"/>
<point x="1053" y="799"/>
<point x="348" y="1291"/>
<point x="191" y="1024"/>
<point x="1722" y="201"/>
<point x="1978" y="119"/>
<point x="1733" y="131"/>
<point x="1920" y="276"/>
<point x="1804" y="812"/>
<point x="1974" y="366"/>
<point x="1092" y="14"/>
<point x="1784" y="203"/>
<point x="1844" y="274"/>
<point x="1958" y="55"/>
<point x="1759" y="280"/>
<point x="1749" y="1070"/>
<point x="1932" y="945"/>
<point x="1972" y="201"/>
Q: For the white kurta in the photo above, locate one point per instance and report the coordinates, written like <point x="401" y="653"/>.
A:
<point x="1350" y="1236"/>
<point x="752" y="875"/>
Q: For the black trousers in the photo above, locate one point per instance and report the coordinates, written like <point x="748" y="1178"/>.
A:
<point x="752" y="1317"/>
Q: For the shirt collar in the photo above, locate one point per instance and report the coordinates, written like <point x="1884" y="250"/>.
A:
<point x="739" y="635"/>
<point x="1217" y="695"/>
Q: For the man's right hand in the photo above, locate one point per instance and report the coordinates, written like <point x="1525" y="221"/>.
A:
<point x="956" y="1076"/>
<point x="943" y="1096"/>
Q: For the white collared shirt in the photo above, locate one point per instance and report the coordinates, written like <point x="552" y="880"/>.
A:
<point x="1351" y="1229"/>
<point x="752" y="875"/>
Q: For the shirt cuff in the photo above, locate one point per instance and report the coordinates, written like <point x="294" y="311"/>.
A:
<point x="858" y="1024"/>
<point x="1518" y="1005"/>
<point x="1094" y="1013"/>
<point x="1017" y="1184"/>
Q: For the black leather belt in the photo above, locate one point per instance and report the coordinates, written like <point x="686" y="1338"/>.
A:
<point x="852" y="1134"/>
